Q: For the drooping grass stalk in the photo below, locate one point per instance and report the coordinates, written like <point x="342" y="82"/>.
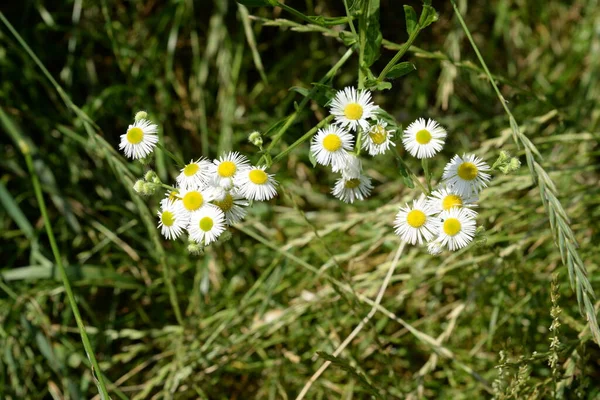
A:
<point x="96" y="371"/>
<point x="559" y="221"/>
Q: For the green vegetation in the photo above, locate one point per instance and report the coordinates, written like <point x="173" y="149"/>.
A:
<point x="306" y="286"/>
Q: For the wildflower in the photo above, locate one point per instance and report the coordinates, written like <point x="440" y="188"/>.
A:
<point x="348" y="190"/>
<point x="424" y="140"/>
<point x="331" y="145"/>
<point x="229" y="165"/>
<point x="232" y="205"/>
<point x="413" y="224"/>
<point x="377" y="139"/>
<point x="195" y="174"/>
<point x="172" y="219"/>
<point x="193" y="199"/>
<point x="466" y="175"/>
<point x="434" y="247"/>
<point x="457" y="228"/>
<point x="353" y="167"/>
<point x="206" y="224"/>
<point x="140" y="139"/>
<point x="353" y="108"/>
<point x="445" y="198"/>
<point x="255" y="184"/>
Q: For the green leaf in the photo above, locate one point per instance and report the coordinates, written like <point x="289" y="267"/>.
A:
<point x="257" y="3"/>
<point x="401" y="69"/>
<point x="374" y="84"/>
<point x="428" y="16"/>
<point x="411" y="19"/>
<point x="343" y="364"/>
<point x="312" y="159"/>
<point x="373" y="36"/>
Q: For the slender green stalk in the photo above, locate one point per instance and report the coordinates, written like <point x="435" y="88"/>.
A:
<point x="178" y="161"/>
<point x="362" y="37"/>
<point x="96" y="371"/>
<point x="399" y="54"/>
<point x="297" y="13"/>
<point x="425" y="164"/>
<point x="304" y="138"/>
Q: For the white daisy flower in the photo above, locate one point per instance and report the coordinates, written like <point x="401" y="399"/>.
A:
<point x="206" y="224"/>
<point x="434" y="247"/>
<point x="348" y="190"/>
<point x="457" y="228"/>
<point x="193" y="199"/>
<point x="229" y="166"/>
<point x="467" y="175"/>
<point x="445" y="198"/>
<point x="172" y="219"/>
<point x="195" y="174"/>
<point x="353" y="108"/>
<point x="232" y="204"/>
<point x="353" y="167"/>
<point x="424" y="139"/>
<point x="417" y="223"/>
<point x="377" y="139"/>
<point x="330" y="146"/>
<point x="140" y="139"/>
<point x="255" y="184"/>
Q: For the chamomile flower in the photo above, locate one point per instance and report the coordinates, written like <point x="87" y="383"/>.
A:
<point x="457" y="228"/>
<point x="140" y="139"/>
<point x="353" y="108"/>
<point x="348" y="190"/>
<point x="353" y="167"/>
<point x="330" y="146"/>
<point x="424" y="139"/>
<point x="195" y="174"/>
<point x="255" y="184"/>
<point x="467" y="175"/>
<point x="194" y="199"/>
<point x="206" y="224"/>
<point x="445" y="198"/>
<point x="417" y="223"/>
<point x="229" y="166"/>
<point x="172" y="219"/>
<point x="232" y="204"/>
<point x="377" y="139"/>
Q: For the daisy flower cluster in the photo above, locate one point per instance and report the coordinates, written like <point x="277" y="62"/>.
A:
<point x="208" y="195"/>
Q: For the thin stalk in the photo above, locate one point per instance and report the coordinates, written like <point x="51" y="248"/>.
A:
<point x="297" y="13"/>
<point x="96" y="372"/>
<point x="304" y="138"/>
<point x="399" y="54"/>
<point x="362" y="37"/>
<point x="178" y="161"/>
<point x="425" y="164"/>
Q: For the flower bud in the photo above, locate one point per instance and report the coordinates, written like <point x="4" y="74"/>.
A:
<point x="138" y="186"/>
<point x="150" y="175"/>
<point x="256" y="139"/>
<point x="195" y="248"/>
<point x="141" y="115"/>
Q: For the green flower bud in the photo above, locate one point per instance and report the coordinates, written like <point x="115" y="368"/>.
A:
<point x="195" y="248"/>
<point x="150" y="175"/>
<point x="138" y="186"/>
<point x="141" y="115"/>
<point x="256" y="139"/>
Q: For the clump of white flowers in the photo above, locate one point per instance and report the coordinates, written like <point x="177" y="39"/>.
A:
<point x="208" y="195"/>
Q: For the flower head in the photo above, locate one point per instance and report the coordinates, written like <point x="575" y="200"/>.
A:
<point x="140" y="139"/>
<point x="232" y="204"/>
<point x="195" y="174"/>
<point x="172" y="219"/>
<point x="330" y="146"/>
<point x="255" y="184"/>
<point x="229" y="166"/>
<point x="466" y="175"/>
<point x="206" y="224"/>
<point x="415" y="224"/>
<point x="424" y="139"/>
<point x="377" y="139"/>
<point x="193" y="199"/>
<point x="352" y="168"/>
<point x="353" y="108"/>
<point x="348" y="190"/>
<point x="446" y="198"/>
<point x="457" y="228"/>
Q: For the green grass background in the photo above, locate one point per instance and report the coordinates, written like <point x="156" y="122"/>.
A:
<point x="292" y="279"/>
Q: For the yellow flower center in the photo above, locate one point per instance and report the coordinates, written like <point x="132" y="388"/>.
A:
<point x="452" y="200"/>
<point x="226" y="169"/>
<point x="416" y="218"/>
<point x="206" y="224"/>
<point x="467" y="171"/>
<point x="353" y="111"/>
<point x="352" y="183"/>
<point x="451" y="226"/>
<point x="135" y="135"/>
<point x="423" y="136"/>
<point x="378" y="135"/>
<point x="258" y="176"/>
<point x="191" y="169"/>
<point x="167" y="218"/>
<point x="226" y="204"/>
<point x="193" y="201"/>
<point x="332" y="142"/>
<point x="173" y="196"/>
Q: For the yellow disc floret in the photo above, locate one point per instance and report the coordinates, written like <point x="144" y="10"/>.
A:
<point x="167" y="218"/>
<point x="332" y="142"/>
<point x="467" y="171"/>
<point x="451" y="226"/>
<point x="352" y="183"/>
<point x="416" y="218"/>
<point x="226" y="169"/>
<point x="135" y="135"/>
<point x="206" y="224"/>
<point x="193" y="201"/>
<point x="226" y="204"/>
<point x="423" y="136"/>
<point x="191" y="169"/>
<point x="452" y="200"/>
<point x="258" y="176"/>
<point x="378" y="134"/>
<point x="353" y="111"/>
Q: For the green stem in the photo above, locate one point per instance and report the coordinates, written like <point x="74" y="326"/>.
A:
<point x="178" y="161"/>
<point x="96" y="372"/>
<point x="297" y="13"/>
<point x="362" y="37"/>
<point x="413" y="176"/>
<point x="358" y="144"/>
<point x="425" y="164"/>
<point x="399" y="54"/>
<point x="304" y="138"/>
